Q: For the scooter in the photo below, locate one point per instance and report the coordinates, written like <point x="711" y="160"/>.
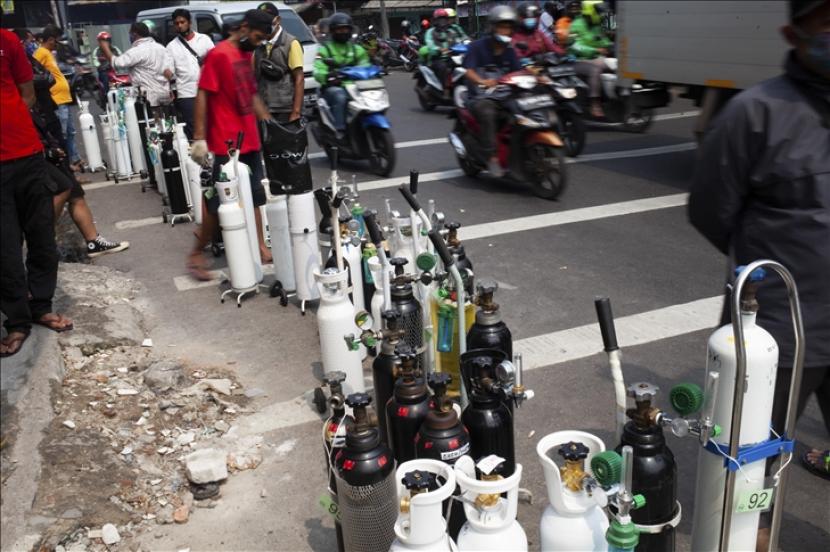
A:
<point x="406" y="50"/>
<point x="432" y="92"/>
<point x="368" y="132"/>
<point x="528" y="145"/>
<point x="564" y="87"/>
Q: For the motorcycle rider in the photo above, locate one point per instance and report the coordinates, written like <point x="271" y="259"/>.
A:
<point x="528" y="39"/>
<point x="562" y="29"/>
<point x="406" y="29"/>
<point x="550" y="13"/>
<point x="100" y="61"/>
<point x="453" y="15"/>
<point x="278" y="66"/>
<point x="494" y="50"/>
<point x="338" y="52"/>
<point x="439" y="39"/>
<point x="590" y="46"/>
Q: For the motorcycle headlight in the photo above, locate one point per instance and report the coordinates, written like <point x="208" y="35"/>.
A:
<point x="568" y="93"/>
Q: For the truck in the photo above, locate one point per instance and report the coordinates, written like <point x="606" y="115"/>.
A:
<point x="708" y="50"/>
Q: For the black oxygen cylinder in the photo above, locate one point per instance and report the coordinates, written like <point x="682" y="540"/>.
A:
<point x="384" y="367"/>
<point x="336" y="425"/>
<point x="173" y="176"/>
<point x="407" y="409"/>
<point x="489" y="331"/>
<point x="443" y="437"/>
<point x="487" y="417"/>
<point x="142" y="112"/>
<point x="404" y="301"/>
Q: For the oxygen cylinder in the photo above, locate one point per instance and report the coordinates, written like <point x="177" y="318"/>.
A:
<point x="443" y="437"/>
<point x="489" y="331"/>
<point x="335" y="318"/>
<point x="487" y="418"/>
<point x="407" y="409"/>
<point x="401" y="243"/>
<point x="142" y="112"/>
<point x="352" y="255"/>
<point x="376" y="304"/>
<point x="154" y="150"/>
<point x="124" y="167"/>
<point x="109" y="144"/>
<point x="404" y="301"/>
<point x="173" y="176"/>
<point x="306" y="251"/>
<point x="234" y="234"/>
<point x="366" y="488"/>
<point x="574" y="519"/>
<point x="89" y="134"/>
<point x="444" y="313"/>
<point x="244" y="177"/>
<point x="194" y="180"/>
<point x="183" y="149"/>
<point x="423" y="485"/>
<point x="491" y="518"/>
<point x="322" y="196"/>
<point x="334" y="433"/>
<point x="276" y="211"/>
<point x="384" y="367"/>
<point x="759" y="388"/>
<point x="133" y="135"/>
<point x="461" y="261"/>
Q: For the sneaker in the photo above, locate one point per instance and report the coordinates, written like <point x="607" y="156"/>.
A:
<point x="494" y="167"/>
<point x="102" y="246"/>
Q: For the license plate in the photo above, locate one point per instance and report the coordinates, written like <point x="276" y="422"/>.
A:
<point x="369" y="84"/>
<point x="311" y="98"/>
<point x="535" y="102"/>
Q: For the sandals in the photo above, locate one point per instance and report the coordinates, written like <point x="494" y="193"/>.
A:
<point x="197" y="268"/>
<point x="18" y="337"/>
<point x="53" y="322"/>
<point x="822" y="469"/>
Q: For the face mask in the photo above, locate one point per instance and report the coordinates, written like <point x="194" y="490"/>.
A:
<point x="342" y="38"/>
<point x="529" y="23"/>
<point x="818" y="49"/>
<point x="246" y="45"/>
<point x="502" y="39"/>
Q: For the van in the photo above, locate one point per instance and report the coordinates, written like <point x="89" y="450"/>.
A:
<point x="209" y="17"/>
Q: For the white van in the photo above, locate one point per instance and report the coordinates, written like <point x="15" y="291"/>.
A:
<point x="209" y="17"/>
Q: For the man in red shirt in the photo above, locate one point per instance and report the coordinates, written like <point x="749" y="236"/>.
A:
<point x="25" y="207"/>
<point x="227" y="103"/>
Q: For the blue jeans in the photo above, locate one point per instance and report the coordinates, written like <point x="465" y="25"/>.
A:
<point x="66" y="116"/>
<point x="337" y="98"/>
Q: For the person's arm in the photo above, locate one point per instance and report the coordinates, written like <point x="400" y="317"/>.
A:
<point x="550" y="45"/>
<point x="27" y="92"/>
<point x="295" y="64"/>
<point x="582" y="40"/>
<point x="429" y="42"/>
<point x="722" y="179"/>
<point x="321" y="69"/>
<point x="22" y="73"/>
<point x="199" y="150"/>
<point x="170" y="65"/>
<point x="260" y="109"/>
<point x="362" y="56"/>
<point x="95" y="61"/>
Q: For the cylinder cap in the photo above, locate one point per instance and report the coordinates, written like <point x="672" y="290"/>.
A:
<point x="686" y="398"/>
<point x="607" y="467"/>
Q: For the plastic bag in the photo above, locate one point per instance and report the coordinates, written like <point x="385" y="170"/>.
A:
<point x="285" y="148"/>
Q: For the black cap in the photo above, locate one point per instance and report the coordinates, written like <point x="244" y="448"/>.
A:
<point x="258" y="20"/>
<point x="269" y="8"/>
<point x="802" y="8"/>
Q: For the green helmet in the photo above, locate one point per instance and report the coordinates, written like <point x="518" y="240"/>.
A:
<point x="593" y="10"/>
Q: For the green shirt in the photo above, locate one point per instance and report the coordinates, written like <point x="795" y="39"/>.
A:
<point x="587" y="39"/>
<point x="346" y="54"/>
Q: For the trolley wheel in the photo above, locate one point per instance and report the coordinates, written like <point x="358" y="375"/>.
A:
<point x="222" y="301"/>
<point x="115" y="178"/>
<point x="144" y="175"/>
<point x="277" y="290"/>
<point x="239" y="305"/>
<point x="319" y="400"/>
<point x="214" y="248"/>
<point x="165" y="216"/>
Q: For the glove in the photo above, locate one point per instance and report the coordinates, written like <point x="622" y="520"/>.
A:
<point x="199" y="152"/>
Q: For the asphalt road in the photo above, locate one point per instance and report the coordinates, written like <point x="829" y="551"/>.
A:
<point x="619" y="230"/>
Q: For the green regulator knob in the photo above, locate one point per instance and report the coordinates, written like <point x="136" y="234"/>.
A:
<point x="425" y="261"/>
<point x="639" y="501"/>
<point x="716" y="430"/>
<point x="607" y="467"/>
<point x="686" y="398"/>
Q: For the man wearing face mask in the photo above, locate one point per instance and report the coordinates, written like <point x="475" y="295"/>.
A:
<point x="492" y="51"/>
<point x="762" y="191"/>
<point x="149" y="64"/>
<point x="338" y="52"/>
<point x="188" y="50"/>
<point x="528" y="40"/>
<point x="278" y="66"/>
<point x="227" y="103"/>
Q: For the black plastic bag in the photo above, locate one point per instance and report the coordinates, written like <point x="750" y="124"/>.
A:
<point x="285" y="148"/>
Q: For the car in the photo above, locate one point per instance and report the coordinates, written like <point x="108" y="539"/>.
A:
<point x="210" y="18"/>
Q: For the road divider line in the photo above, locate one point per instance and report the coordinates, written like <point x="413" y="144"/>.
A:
<point x="543" y="351"/>
<point x="545" y="220"/>
<point x="680" y="115"/>
<point x="399" y="145"/>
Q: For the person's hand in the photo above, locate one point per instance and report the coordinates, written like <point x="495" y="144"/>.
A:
<point x="602" y="51"/>
<point x="294" y="116"/>
<point x="199" y="152"/>
<point x="489" y="83"/>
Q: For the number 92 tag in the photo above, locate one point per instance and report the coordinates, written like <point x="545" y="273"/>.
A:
<point x="755" y="501"/>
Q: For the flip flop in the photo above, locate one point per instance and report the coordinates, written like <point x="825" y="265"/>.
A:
<point x="823" y="472"/>
<point x="199" y="273"/>
<point x="20" y="341"/>
<point x="50" y="325"/>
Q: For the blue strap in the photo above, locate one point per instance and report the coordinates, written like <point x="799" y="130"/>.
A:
<point x="748" y="454"/>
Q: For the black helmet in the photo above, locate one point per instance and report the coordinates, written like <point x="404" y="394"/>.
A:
<point x="502" y="14"/>
<point x="527" y="10"/>
<point x="340" y="19"/>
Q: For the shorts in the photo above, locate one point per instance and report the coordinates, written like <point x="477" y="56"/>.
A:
<point x="254" y="160"/>
<point x="64" y="181"/>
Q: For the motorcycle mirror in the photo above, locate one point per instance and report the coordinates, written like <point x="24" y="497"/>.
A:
<point x="364" y="320"/>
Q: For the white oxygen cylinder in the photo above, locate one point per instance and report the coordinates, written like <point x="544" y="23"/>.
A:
<point x="276" y="212"/>
<point x="302" y="225"/>
<point x="420" y="525"/>
<point x="133" y="134"/>
<point x="761" y="369"/>
<point x="89" y="134"/>
<point x="106" y="133"/>
<point x="351" y="254"/>
<point x="235" y="235"/>
<point x="376" y="269"/>
<point x="194" y="182"/>
<point x="491" y="519"/>
<point x="247" y="198"/>
<point x="124" y="168"/>
<point x="572" y="521"/>
<point x="183" y="149"/>
<point x="154" y="149"/>
<point x="335" y="319"/>
<point x="402" y="244"/>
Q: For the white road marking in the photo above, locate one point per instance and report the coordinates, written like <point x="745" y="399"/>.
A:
<point x="680" y="115"/>
<point x="545" y="220"/>
<point x="137" y="223"/>
<point x="185" y="282"/>
<point x="399" y="145"/>
<point x="543" y="351"/>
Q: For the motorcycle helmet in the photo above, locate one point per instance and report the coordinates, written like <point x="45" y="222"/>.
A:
<point x="340" y="27"/>
<point x="529" y="15"/>
<point x="405" y="25"/>
<point x="451" y="13"/>
<point x="502" y="14"/>
<point x="424" y="24"/>
<point x="592" y="10"/>
<point x="440" y="18"/>
<point x="104" y="35"/>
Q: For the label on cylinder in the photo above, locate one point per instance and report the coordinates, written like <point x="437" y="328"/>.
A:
<point x="754" y="500"/>
<point x="458" y="453"/>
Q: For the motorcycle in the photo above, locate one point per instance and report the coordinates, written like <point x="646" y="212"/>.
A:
<point x="407" y="52"/>
<point x="432" y="92"/>
<point x="564" y="87"/>
<point x="367" y="134"/>
<point x="528" y="146"/>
